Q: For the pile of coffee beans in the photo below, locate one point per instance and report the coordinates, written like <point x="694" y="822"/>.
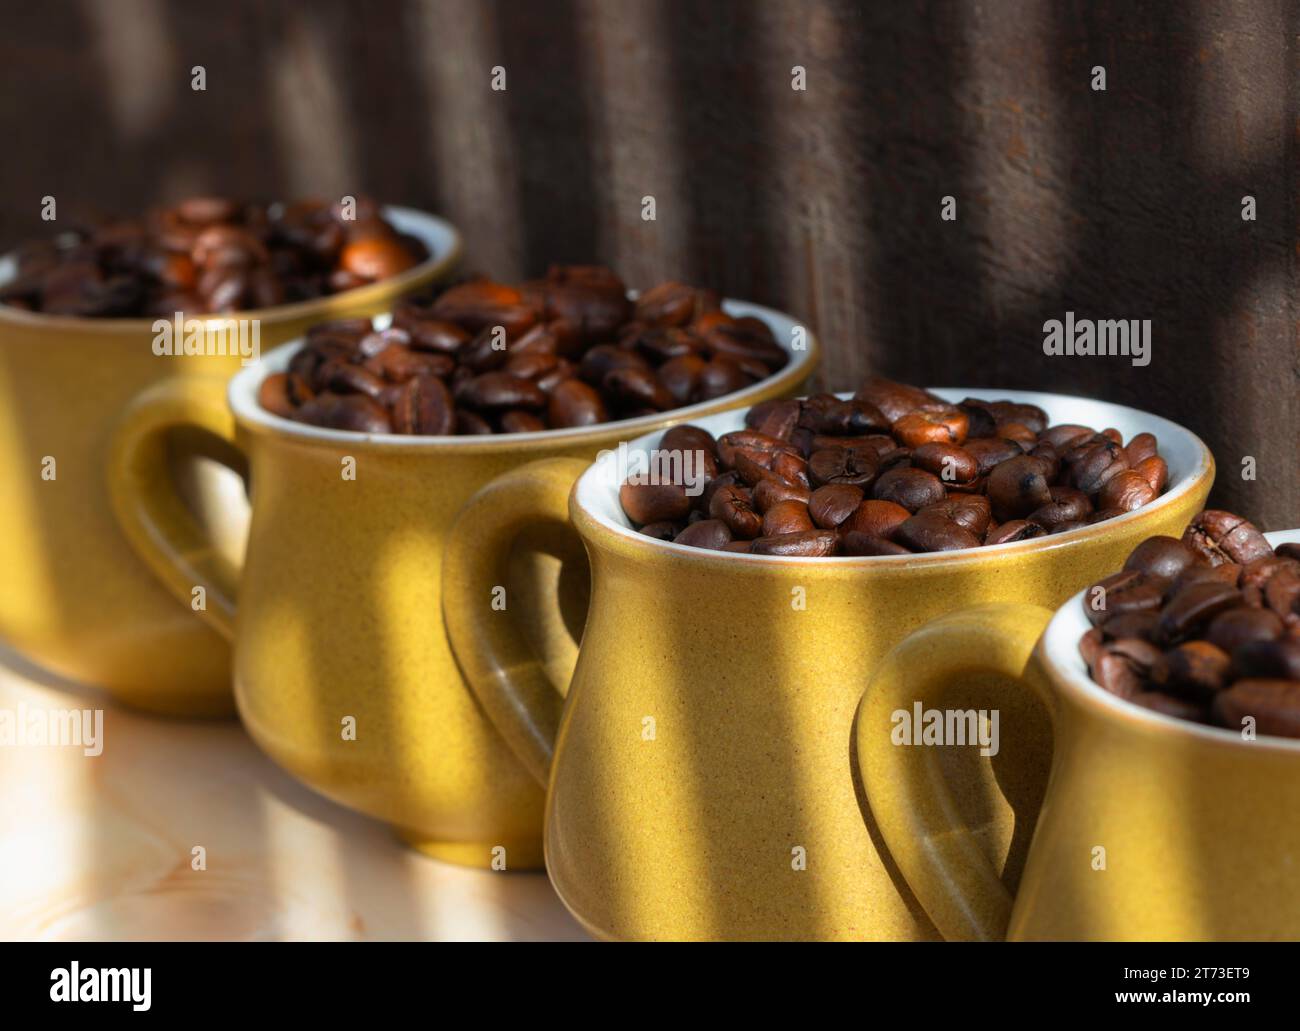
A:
<point x="209" y="255"/>
<point x="895" y="470"/>
<point x="483" y="357"/>
<point x="1206" y="628"/>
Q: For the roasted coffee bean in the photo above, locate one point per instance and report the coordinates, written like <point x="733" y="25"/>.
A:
<point x="771" y="489"/>
<point x="424" y="406"/>
<point x="653" y="503"/>
<point x="1195" y="669"/>
<point x="1090" y="647"/>
<point x="931" y="424"/>
<point x="1140" y="448"/>
<point x="753" y="467"/>
<point x="723" y="479"/>
<point x="1278" y="658"/>
<point x="893" y="400"/>
<point x="273" y="395"/>
<point x="1155" y="471"/>
<point x="1126" y="491"/>
<point x="689" y="438"/>
<point x="1192" y="607"/>
<point x="1229" y="654"/>
<point x="469" y="423"/>
<point x="1012" y="531"/>
<point x="575" y="403"/>
<point x="707" y="533"/>
<point x="664" y="530"/>
<point x="990" y="452"/>
<point x="1125" y="665"/>
<point x="1137" y="623"/>
<point x="848" y="465"/>
<point x="752" y="443"/>
<point x="1018" y="487"/>
<point x="855" y="543"/>
<point x="913" y="489"/>
<point x="1219" y="536"/>
<point x="831" y="505"/>
<point x="1274" y="705"/>
<point x="1066" y="435"/>
<point x="930" y="530"/>
<point x="668" y="304"/>
<point x="637" y="388"/>
<point x="1161" y="556"/>
<point x="520" y="422"/>
<point x="1228" y="573"/>
<point x="1068" y="507"/>
<point x="850" y="419"/>
<point x="969" y="510"/>
<point x="779" y="419"/>
<point x="681" y="377"/>
<point x="498" y="391"/>
<point x="877" y="518"/>
<point x="733" y="505"/>
<point x="804" y="544"/>
<point x="354" y="412"/>
<point x="1092" y="466"/>
<point x="1241" y="626"/>
<point x="719" y="377"/>
<point x="954" y="465"/>
<point x="1123" y="593"/>
<point x="1282" y="594"/>
<point x="786" y="517"/>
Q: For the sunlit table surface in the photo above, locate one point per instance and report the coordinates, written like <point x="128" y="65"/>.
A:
<point x="102" y="848"/>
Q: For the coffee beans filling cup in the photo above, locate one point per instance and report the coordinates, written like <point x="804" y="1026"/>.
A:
<point x="1206" y="628"/>
<point x="569" y="350"/>
<point x="893" y="471"/>
<point x="211" y="254"/>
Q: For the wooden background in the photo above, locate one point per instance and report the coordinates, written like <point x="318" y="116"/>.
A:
<point x="1117" y="204"/>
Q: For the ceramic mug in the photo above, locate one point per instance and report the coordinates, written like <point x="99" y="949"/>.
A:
<point x="701" y="783"/>
<point x="1152" y="828"/>
<point x="75" y="599"/>
<point x="342" y="670"/>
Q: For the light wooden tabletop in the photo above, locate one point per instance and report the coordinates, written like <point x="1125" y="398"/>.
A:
<point x="101" y="848"/>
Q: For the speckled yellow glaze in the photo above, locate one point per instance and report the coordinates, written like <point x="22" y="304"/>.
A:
<point x="340" y="596"/>
<point x="1152" y="829"/>
<point x="751" y="670"/>
<point x="74" y="599"/>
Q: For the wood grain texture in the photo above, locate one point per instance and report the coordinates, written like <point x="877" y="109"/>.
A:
<point x="1117" y="204"/>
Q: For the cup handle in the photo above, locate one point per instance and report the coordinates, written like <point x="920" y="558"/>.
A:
<point x="937" y="854"/>
<point x="149" y="510"/>
<point x="498" y="663"/>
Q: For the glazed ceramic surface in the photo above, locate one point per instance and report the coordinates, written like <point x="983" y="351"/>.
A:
<point x="74" y="598"/>
<point x="1152" y="828"/>
<point x="338" y="626"/>
<point x="704" y="784"/>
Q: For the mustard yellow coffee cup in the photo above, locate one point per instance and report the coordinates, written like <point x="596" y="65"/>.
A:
<point x="700" y="769"/>
<point x="74" y="598"/>
<point x="342" y="670"/>
<point x="1152" y="828"/>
